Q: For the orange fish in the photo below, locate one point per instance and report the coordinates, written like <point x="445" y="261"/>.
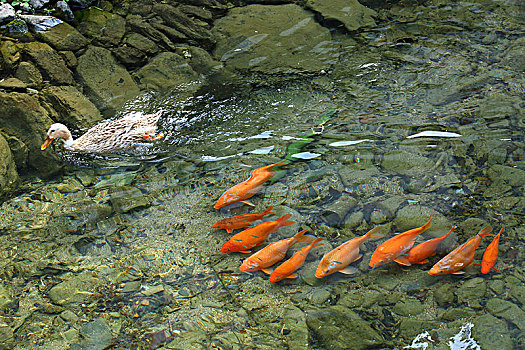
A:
<point x="273" y="253"/>
<point x="460" y="257"/>
<point x="422" y="251"/>
<point x="249" y="187"/>
<point x="241" y="221"/>
<point x="254" y="236"/>
<point x="338" y="259"/>
<point x="491" y="254"/>
<point x="287" y="268"/>
<point x="396" y="246"/>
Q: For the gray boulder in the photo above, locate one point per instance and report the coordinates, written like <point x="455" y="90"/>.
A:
<point x="7" y="13"/>
<point x="63" y="37"/>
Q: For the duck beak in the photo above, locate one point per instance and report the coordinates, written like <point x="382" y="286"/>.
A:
<point x="46" y="143"/>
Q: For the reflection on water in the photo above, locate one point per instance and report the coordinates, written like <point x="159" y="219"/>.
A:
<point x="428" y="118"/>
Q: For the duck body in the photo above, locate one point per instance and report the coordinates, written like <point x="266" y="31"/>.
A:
<point x="108" y="136"/>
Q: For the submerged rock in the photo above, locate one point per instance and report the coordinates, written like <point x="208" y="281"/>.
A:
<point x="105" y="28"/>
<point x="337" y="327"/>
<point x="273" y="39"/>
<point x="491" y="332"/>
<point x="76" y="290"/>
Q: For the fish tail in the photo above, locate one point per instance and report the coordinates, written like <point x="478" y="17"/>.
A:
<point x="486" y="231"/>
<point x="268" y="211"/>
<point x="372" y="233"/>
<point x="282" y="162"/>
<point x="316" y="243"/>
<point x="301" y="237"/>
<point x="428" y="224"/>
<point x="501" y="231"/>
<point x="283" y="220"/>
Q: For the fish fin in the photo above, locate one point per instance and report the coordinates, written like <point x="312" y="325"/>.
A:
<point x="403" y="261"/>
<point x="229" y="230"/>
<point x="349" y="270"/>
<point x="496" y="269"/>
<point x="421" y="262"/>
<point x="359" y="257"/>
<point x="372" y="233"/>
<point x="477" y="264"/>
<point x="267" y="271"/>
<point x="248" y="203"/>
<point x="245" y="251"/>
<point x="428" y="224"/>
<point x="293" y="275"/>
<point x="458" y="273"/>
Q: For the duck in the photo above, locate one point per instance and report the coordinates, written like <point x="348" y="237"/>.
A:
<point x="113" y="135"/>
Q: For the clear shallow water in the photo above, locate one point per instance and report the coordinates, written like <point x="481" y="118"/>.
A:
<point x="131" y="241"/>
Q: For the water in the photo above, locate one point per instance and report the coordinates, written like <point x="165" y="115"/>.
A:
<point x="128" y="248"/>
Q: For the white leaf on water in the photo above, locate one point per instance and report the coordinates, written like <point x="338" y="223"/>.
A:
<point x="430" y="133"/>
<point x="262" y="150"/>
<point x="347" y="143"/>
<point x="214" y="159"/>
<point x="306" y="155"/>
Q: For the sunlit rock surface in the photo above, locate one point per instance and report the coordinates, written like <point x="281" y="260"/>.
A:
<point x="272" y="39"/>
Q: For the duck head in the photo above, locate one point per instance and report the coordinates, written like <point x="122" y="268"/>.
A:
<point x="57" y="131"/>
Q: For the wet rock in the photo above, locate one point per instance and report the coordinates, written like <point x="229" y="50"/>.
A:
<point x="141" y="43"/>
<point x="508" y="311"/>
<point x="127" y="199"/>
<point x="337" y="327"/>
<point x="491" y="332"/>
<point x="515" y="288"/>
<point x="457" y="314"/>
<point x="29" y="74"/>
<point x="51" y="65"/>
<point x="412" y="216"/>
<point x="336" y="211"/>
<point x="10" y="55"/>
<point x="64" y="11"/>
<point x="105" y="28"/>
<point x="108" y="85"/>
<point x="7" y="337"/>
<point x="97" y="335"/>
<point x="8" y="175"/>
<point x="138" y="25"/>
<point x="511" y="175"/>
<point x="63" y="37"/>
<point x="514" y="57"/>
<point x="406" y="163"/>
<point x="472" y="292"/>
<point x="408" y="307"/>
<point x="444" y="295"/>
<point x="410" y="327"/>
<point x="69" y="316"/>
<point x="13" y="84"/>
<point x="176" y="19"/>
<point x="354" y="220"/>
<point x="6" y="301"/>
<point x="75" y="290"/>
<point x="294" y="321"/>
<point x="166" y="71"/>
<point x="38" y="4"/>
<point x="272" y="39"/>
<point x="349" y="12"/>
<point x="26" y="120"/>
<point x="70" y="58"/>
<point x="74" y="109"/>
<point x="7" y="13"/>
